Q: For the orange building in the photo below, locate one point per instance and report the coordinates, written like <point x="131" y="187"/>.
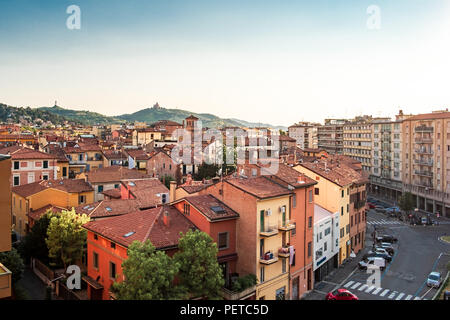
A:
<point x="5" y="222"/>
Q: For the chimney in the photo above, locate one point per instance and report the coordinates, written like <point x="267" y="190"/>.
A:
<point x="299" y="179"/>
<point x="166" y="219"/>
<point x="172" y="192"/>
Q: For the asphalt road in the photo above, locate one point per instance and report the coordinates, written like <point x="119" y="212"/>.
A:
<point x="417" y="252"/>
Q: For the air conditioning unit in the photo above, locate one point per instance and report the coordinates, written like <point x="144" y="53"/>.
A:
<point x="268" y="212"/>
<point x="282" y="209"/>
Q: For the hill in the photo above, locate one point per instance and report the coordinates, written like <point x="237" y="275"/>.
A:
<point x="85" y="117"/>
<point x="14" y="114"/>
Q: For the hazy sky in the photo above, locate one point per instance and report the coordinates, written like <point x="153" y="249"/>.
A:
<point x="269" y="61"/>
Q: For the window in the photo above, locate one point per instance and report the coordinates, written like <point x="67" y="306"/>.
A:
<point x="80" y="157"/>
<point x="186" y="209"/>
<point x="348" y="229"/>
<point x="261" y="274"/>
<point x="325" y="246"/>
<point x="294" y="231"/>
<point x="64" y="172"/>
<point x="95" y="237"/>
<point x="310" y="196"/>
<point x="45" y="164"/>
<point x="116" y="186"/>
<point x="45" y="177"/>
<point x="112" y="270"/>
<point x="327" y="231"/>
<point x="16" y="180"/>
<point x="16" y="165"/>
<point x="342" y="193"/>
<point x="100" y="189"/>
<point x="294" y="201"/>
<point x="95" y="260"/>
<point x="309" y="249"/>
<point x="342" y="232"/>
<point x="342" y="209"/>
<point x="223" y="240"/>
<point x="81" y="199"/>
<point x="309" y="222"/>
<point x="113" y="245"/>
<point x="283" y="266"/>
<point x="351" y="221"/>
<point x="347" y="208"/>
<point x="316" y="191"/>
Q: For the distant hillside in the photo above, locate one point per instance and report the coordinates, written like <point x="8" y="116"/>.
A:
<point x="85" y="117"/>
<point x="15" y="114"/>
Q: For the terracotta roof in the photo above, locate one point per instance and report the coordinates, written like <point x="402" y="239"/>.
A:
<point x="143" y="225"/>
<point x="211" y="207"/>
<point x="22" y="153"/>
<point x="114" y="155"/>
<point x="430" y="116"/>
<point x="112" y="193"/>
<point x="137" y="154"/>
<point x="283" y="137"/>
<point x="146" y="191"/>
<point x="113" y="174"/>
<point x="260" y="187"/>
<point x="26" y="190"/>
<point x="82" y="147"/>
<point x="108" y="208"/>
<point x="37" y="214"/>
<point x="68" y="185"/>
<point x="290" y="176"/>
<point x="192" y="117"/>
<point x="58" y="152"/>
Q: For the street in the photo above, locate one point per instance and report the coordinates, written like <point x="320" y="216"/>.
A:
<point x="417" y="253"/>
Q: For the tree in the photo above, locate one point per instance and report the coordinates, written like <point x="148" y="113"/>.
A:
<point x="206" y="171"/>
<point x="406" y="202"/>
<point x="200" y="273"/>
<point x="14" y="263"/>
<point x="166" y="180"/>
<point x="66" y="237"/>
<point x="149" y="274"/>
<point x="34" y="245"/>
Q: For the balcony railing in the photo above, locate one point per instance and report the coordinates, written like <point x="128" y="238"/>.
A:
<point x="268" y="258"/>
<point x="423" y="151"/>
<point x="286" y="225"/>
<point x="5" y="282"/>
<point x="359" y="204"/>
<point x="284" y="252"/>
<point x="423" y="173"/>
<point x="423" y="140"/>
<point x="423" y="129"/>
<point x="424" y="162"/>
<point x="269" y="230"/>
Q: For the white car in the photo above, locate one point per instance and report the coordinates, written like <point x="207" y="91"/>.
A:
<point x="380" y="250"/>
<point x="375" y="261"/>
<point x="434" y="279"/>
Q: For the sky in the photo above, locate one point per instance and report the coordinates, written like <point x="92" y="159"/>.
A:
<point x="276" y="62"/>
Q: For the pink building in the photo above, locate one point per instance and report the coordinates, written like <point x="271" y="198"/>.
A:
<point x="29" y="165"/>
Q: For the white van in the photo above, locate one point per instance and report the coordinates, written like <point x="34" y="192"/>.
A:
<point x="372" y="261"/>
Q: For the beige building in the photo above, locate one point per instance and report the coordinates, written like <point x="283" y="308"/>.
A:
<point x="426" y="159"/>
<point x="330" y="136"/>
<point x="5" y="222"/>
<point x="305" y="134"/>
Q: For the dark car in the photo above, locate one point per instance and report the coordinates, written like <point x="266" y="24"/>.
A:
<point x="385" y="256"/>
<point x="386" y="238"/>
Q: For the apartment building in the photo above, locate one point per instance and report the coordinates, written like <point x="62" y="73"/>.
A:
<point x="326" y="242"/>
<point x="426" y="159"/>
<point x="386" y="171"/>
<point x="330" y="136"/>
<point x="358" y="140"/>
<point x="305" y="134"/>
<point x="5" y="223"/>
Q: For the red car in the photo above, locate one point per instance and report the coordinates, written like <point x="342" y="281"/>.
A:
<point x="341" y="294"/>
<point x="371" y="205"/>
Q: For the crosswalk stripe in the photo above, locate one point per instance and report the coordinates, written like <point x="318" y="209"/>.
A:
<point x="416" y="298"/>
<point x="384" y="293"/>
<point x="349" y="284"/>
<point x="408" y="297"/>
<point x="377" y="290"/>
<point x="400" y="296"/>
<point x="369" y="289"/>
<point x="392" y="295"/>
<point x="356" y="285"/>
<point x="364" y="287"/>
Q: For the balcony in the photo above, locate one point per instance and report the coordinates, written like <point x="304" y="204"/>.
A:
<point x="268" y="258"/>
<point x="269" y="230"/>
<point x="5" y="282"/>
<point x="423" y="151"/>
<point x="423" y="140"/>
<point x="286" y="225"/>
<point x="424" y="173"/>
<point x="284" y="252"/>
<point x="423" y="129"/>
<point x="424" y="162"/>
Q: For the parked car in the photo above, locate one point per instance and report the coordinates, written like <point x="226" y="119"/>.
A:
<point x="385" y="256"/>
<point x="379" y="250"/>
<point x="376" y="261"/>
<point x="386" y="238"/>
<point x="386" y="246"/>
<point x="341" y="294"/>
<point x="371" y="205"/>
<point x="434" y="279"/>
<point x="379" y="208"/>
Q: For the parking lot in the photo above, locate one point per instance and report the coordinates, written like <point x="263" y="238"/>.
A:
<point x="418" y="252"/>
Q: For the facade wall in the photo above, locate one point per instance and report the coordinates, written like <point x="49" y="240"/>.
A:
<point x="321" y="237"/>
<point x="161" y="165"/>
<point x="32" y="171"/>
<point x="5" y="205"/>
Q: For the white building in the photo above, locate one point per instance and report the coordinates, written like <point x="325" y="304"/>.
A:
<point x="326" y="242"/>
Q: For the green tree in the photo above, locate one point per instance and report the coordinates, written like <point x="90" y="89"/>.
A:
<point x="200" y="273"/>
<point x="14" y="263"/>
<point x="206" y="171"/>
<point x="149" y="274"/>
<point x="34" y="245"/>
<point x="406" y="202"/>
<point x="66" y="237"/>
<point x="166" y="180"/>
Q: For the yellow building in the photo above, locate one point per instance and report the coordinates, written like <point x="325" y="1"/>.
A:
<point x="142" y="137"/>
<point x="5" y="222"/>
<point x="332" y="192"/>
<point x="83" y="157"/>
<point x="31" y="197"/>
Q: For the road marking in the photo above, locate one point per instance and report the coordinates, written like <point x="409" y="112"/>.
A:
<point x="384" y="293"/>
<point x="392" y="295"/>
<point x="377" y="290"/>
<point x="416" y="298"/>
<point x="349" y="284"/>
<point x="364" y="287"/>
<point x="408" y="297"/>
<point x="370" y="289"/>
<point x="400" y="296"/>
<point x="356" y="285"/>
